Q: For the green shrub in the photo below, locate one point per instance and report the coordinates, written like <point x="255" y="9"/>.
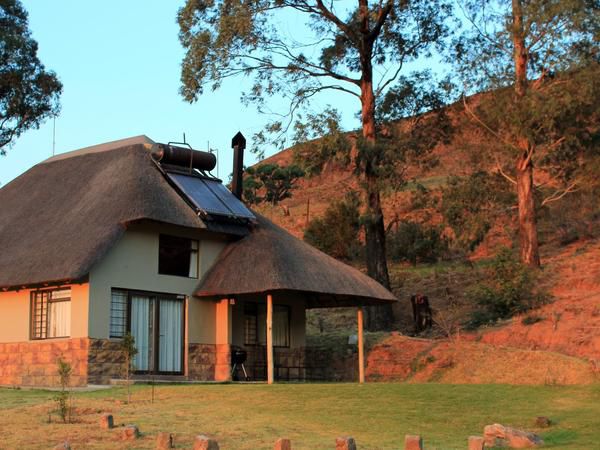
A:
<point x="509" y="288"/>
<point x="129" y="351"/>
<point x="336" y="233"/>
<point x="414" y="242"/>
<point x="62" y="397"/>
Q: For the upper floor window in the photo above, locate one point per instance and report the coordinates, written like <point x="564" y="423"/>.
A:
<point x="177" y="256"/>
<point x="51" y="314"/>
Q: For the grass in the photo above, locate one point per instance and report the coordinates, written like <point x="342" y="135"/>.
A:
<point x="312" y="415"/>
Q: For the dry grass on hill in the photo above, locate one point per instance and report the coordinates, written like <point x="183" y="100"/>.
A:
<point x="558" y="343"/>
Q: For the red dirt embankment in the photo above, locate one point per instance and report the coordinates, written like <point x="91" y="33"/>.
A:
<point x="571" y="324"/>
<point x="563" y="347"/>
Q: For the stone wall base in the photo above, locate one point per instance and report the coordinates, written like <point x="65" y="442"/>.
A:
<point x="106" y="361"/>
<point x="34" y="363"/>
<point x="202" y="359"/>
<point x="97" y="361"/>
<point x="93" y="361"/>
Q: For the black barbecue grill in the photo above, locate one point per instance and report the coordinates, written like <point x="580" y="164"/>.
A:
<point x="238" y="358"/>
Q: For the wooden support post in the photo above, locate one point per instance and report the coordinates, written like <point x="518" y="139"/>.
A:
<point x="270" y="339"/>
<point x="361" y="347"/>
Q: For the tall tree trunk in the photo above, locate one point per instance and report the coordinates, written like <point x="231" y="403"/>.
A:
<point x="527" y="216"/>
<point x="377" y="317"/>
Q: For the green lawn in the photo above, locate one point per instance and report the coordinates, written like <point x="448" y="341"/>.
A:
<point x="312" y="415"/>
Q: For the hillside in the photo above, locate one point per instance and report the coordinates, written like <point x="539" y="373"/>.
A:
<point x="561" y="347"/>
<point x="558" y="343"/>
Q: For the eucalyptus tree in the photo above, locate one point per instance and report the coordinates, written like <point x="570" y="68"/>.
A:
<point x="537" y="61"/>
<point x="28" y="92"/>
<point x="358" y="48"/>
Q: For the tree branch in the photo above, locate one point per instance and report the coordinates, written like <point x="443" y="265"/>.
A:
<point x="328" y="14"/>
<point x="484" y="125"/>
<point x="501" y="171"/>
<point x="560" y="194"/>
<point x="381" y="18"/>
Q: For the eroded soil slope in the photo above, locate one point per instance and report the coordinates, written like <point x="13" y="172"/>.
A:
<point x="562" y="347"/>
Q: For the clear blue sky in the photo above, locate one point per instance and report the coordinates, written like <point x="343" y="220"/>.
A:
<point x="119" y="63"/>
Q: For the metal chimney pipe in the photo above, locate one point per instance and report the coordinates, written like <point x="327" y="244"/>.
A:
<point x="238" y="143"/>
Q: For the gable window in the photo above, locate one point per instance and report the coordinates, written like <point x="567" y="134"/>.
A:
<point x="51" y="314"/>
<point x="255" y="324"/>
<point x="177" y="256"/>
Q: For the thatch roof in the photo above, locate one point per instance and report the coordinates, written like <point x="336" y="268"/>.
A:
<point x="270" y="260"/>
<point x="61" y="216"/>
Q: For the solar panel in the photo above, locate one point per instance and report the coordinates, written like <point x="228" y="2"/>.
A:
<point x="210" y="196"/>
<point x="230" y="200"/>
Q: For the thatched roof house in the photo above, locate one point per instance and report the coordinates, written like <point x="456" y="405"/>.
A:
<point x="134" y="236"/>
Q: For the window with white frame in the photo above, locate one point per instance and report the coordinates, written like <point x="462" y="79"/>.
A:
<point x="177" y="256"/>
<point x="51" y="314"/>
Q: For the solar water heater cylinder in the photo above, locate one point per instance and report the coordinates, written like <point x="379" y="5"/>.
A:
<point x="184" y="157"/>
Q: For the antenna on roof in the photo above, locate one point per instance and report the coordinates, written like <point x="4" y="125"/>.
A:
<point x="211" y="150"/>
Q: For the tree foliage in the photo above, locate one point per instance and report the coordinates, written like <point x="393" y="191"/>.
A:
<point x="359" y="48"/>
<point x="410" y="121"/>
<point x="337" y="232"/>
<point x="414" y="242"/>
<point x="270" y="183"/>
<point x="471" y="205"/>
<point x="342" y="41"/>
<point x="538" y="62"/>
<point x="28" y="92"/>
<point x="509" y="287"/>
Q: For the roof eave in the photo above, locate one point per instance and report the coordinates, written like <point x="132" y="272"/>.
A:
<point x="313" y="299"/>
<point x="46" y="284"/>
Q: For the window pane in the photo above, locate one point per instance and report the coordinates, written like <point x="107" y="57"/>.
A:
<point x="261" y="326"/>
<point x="118" y="314"/>
<point x="250" y="324"/>
<point x="39" y="313"/>
<point x="170" y="336"/>
<point x="59" y="319"/>
<point x="281" y="326"/>
<point x="142" y="330"/>
<point x="61" y="294"/>
<point x="51" y="314"/>
<point x="177" y="256"/>
<point x="193" y="260"/>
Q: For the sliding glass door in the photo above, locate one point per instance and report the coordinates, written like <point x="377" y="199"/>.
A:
<point x="142" y="330"/>
<point x="156" y="322"/>
<point x="171" y="335"/>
